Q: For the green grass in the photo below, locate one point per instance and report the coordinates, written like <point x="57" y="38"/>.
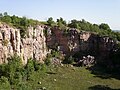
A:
<point x="70" y="78"/>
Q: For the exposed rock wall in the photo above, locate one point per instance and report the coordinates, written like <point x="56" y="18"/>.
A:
<point x="36" y="42"/>
<point x="68" y="42"/>
<point x="84" y="42"/>
<point x="33" y="46"/>
<point x="96" y="45"/>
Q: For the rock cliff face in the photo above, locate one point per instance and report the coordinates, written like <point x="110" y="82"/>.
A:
<point x="84" y="42"/>
<point x="33" y="46"/>
<point x="96" y="45"/>
<point x="67" y="42"/>
<point x="36" y="42"/>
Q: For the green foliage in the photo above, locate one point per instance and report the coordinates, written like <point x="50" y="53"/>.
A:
<point x="65" y="74"/>
<point x="14" y="70"/>
<point x="30" y="66"/>
<point x="14" y="63"/>
<point x="43" y="67"/>
<point x="61" y="22"/>
<point x="4" y="70"/>
<point x="37" y="65"/>
<point x="102" y="29"/>
<point x="6" y="19"/>
<point x="55" y="53"/>
<point x="50" y="21"/>
<point x="4" y="83"/>
<point x="104" y="26"/>
<point x="48" y="59"/>
<point x="21" y="23"/>
<point x="13" y="75"/>
<point x="69" y="60"/>
<point x="74" y="24"/>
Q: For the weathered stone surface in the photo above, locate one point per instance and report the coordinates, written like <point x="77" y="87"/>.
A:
<point x="68" y="42"/>
<point x="84" y="42"/>
<point x="33" y="46"/>
<point x="96" y="45"/>
<point x="87" y="61"/>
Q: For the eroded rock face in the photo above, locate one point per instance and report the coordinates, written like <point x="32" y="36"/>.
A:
<point x="9" y="42"/>
<point x="33" y="46"/>
<point x="67" y="42"/>
<point x="36" y="42"/>
<point x="96" y="45"/>
<point x="84" y="42"/>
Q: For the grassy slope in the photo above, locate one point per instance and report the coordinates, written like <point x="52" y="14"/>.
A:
<point x="71" y="78"/>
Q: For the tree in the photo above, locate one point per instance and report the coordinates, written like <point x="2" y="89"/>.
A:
<point x="6" y="19"/>
<point x="24" y="22"/>
<point x="5" y="14"/>
<point x="50" y="21"/>
<point x="74" y="24"/>
<point x="1" y="15"/>
<point x="104" y="26"/>
<point x="61" y="22"/>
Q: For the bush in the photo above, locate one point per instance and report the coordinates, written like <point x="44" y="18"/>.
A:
<point x="14" y="70"/>
<point x="39" y="66"/>
<point x="4" y="70"/>
<point x="69" y="60"/>
<point x="29" y="68"/>
<point x="48" y="59"/>
<point x="14" y="63"/>
<point x="4" y="83"/>
<point x="14" y="74"/>
<point x="43" y="68"/>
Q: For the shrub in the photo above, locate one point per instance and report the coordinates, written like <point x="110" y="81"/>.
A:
<point x="43" y="68"/>
<point x="68" y="60"/>
<point x="4" y="83"/>
<point x="4" y="70"/>
<point x="29" y="68"/>
<point x="14" y="70"/>
<point x="38" y="66"/>
<point x="14" y="63"/>
<point x="48" y="59"/>
<point x="30" y="65"/>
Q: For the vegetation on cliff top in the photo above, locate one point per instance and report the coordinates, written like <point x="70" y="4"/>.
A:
<point x="22" y="23"/>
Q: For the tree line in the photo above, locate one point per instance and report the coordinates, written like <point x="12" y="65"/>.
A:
<point x="22" y="23"/>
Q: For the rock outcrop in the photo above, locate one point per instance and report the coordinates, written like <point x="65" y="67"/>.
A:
<point x="73" y="41"/>
<point x="36" y="42"/>
<point x="33" y="46"/>
<point x="65" y="41"/>
<point x="96" y="45"/>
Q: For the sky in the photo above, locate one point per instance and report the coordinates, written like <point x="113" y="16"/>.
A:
<point x="94" y="11"/>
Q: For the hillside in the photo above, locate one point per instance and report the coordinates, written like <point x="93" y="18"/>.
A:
<point x="31" y="48"/>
